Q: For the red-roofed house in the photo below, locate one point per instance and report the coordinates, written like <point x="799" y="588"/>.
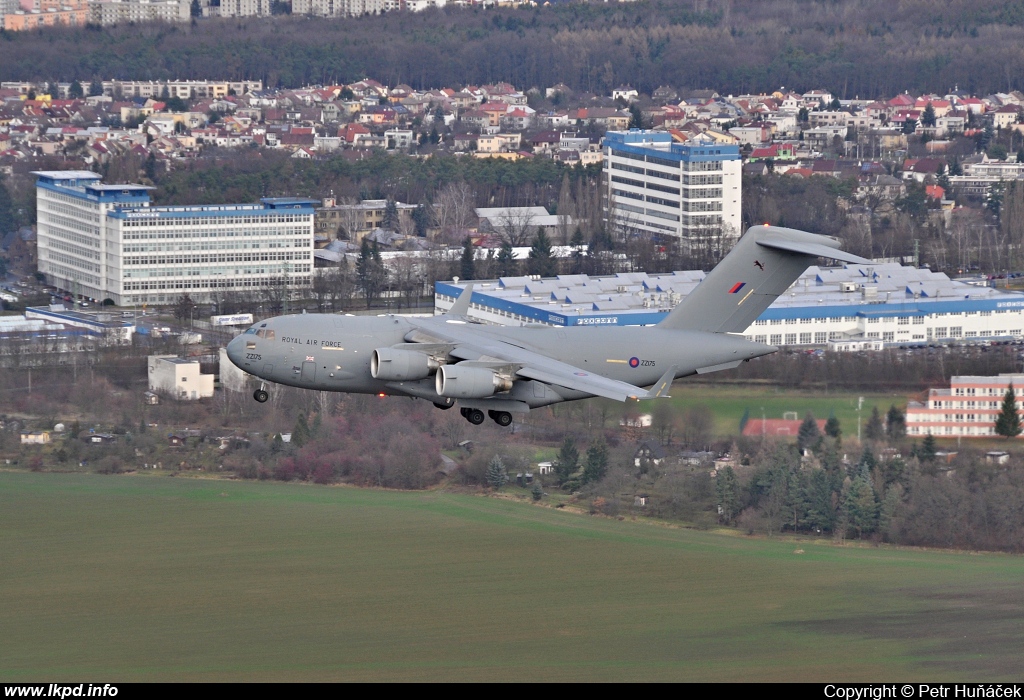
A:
<point x="351" y="133"/>
<point x="901" y="101"/>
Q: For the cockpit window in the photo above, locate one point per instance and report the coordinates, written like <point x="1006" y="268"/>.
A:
<point x="271" y="334"/>
<point x="261" y="333"/>
<point x="251" y="331"/>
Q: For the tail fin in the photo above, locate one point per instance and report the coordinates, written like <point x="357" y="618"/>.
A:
<point x="764" y="263"/>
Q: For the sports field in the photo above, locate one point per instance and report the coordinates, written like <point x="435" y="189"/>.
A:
<point x="728" y="403"/>
<point x="156" y="578"/>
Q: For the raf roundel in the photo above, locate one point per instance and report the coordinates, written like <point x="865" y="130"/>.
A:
<point x="634" y="362"/>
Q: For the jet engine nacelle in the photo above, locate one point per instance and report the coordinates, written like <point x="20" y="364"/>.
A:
<point x="394" y="365"/>
<point x="458" y="382"/>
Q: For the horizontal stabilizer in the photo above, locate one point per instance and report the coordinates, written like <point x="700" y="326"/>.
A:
<point x="815" y="249"/>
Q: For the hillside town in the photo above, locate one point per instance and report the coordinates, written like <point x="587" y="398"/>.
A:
<point x="882" y="143"/>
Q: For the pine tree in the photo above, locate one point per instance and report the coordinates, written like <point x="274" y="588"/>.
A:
<point x="1008" y="423"/>
<point x="507" y="264"/>
<point x="727" y="490"/>
<point x="926" y="453"/>
<point x="895" y="424"/>
<point x="468" y="264"/>
<point x="540" y="260"/>
<point x="496" y="476"/>
<point x="808" y="436"/>
<point x="300" y="434"/>
<point x="597" y="463"/>
<point x="96" y="88"/>
<point x="860" y="506"/>
<point x="928" y="117"/>
<point x="874" y="430"/>
<point x="75" y="91"/>
<point x="537" y="491"/>
<point x="832" y="427"/>
<point x="568" y="460"/>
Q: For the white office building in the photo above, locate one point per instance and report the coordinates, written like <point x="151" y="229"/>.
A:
<point x="179" y="378"/>
<point x="108" y="242"/>
<point x="654" y="185"/>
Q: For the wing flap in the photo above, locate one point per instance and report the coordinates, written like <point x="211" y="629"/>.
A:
<point x="572" y="378"/>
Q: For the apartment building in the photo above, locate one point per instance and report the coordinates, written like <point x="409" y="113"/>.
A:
<point x="242" y="8"/>
<point x="968" y="408"/>
<point x="338" y="8"/>
<point x="107" y="242"/>
<point x="654" y="185"/>
<point x="107" y="12"/>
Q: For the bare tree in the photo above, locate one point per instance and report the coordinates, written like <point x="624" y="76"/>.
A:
<point x="350" y="220"/>
<point x="566" y="211"/>
<point x="516" y="225"/>
<point x="454" y="211"/>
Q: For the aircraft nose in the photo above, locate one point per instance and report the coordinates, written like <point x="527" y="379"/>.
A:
<point x="235" y="350"/>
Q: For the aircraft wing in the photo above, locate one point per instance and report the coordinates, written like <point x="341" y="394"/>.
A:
<point x="473" y="347"/>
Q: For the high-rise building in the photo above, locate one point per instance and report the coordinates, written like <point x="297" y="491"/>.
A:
<point x="656" y="186"/>
<point x="108" y="242"/>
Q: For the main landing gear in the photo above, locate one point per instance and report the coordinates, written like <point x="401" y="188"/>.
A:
<point x="261" y="394"/>
<point x="476" y="416"/>
<point x="502" y="418"/>
<point x="473" y="415"/>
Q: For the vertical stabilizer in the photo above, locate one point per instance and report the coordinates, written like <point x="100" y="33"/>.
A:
<point x="764" y="263"/>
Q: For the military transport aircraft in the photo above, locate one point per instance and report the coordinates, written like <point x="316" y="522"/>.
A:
<point x="504" y="369"/>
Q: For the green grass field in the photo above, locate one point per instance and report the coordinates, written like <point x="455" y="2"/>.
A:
<point x="728" y="402"/>
<point x="154" y="578"/>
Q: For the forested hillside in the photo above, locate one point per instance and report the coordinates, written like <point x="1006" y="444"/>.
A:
<point x="853" y="47"/>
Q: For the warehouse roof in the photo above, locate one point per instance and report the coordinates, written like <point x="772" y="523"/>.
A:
<point x="636" y="298"/>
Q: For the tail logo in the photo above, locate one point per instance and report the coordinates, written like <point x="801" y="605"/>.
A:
<point x="737" y="287"/>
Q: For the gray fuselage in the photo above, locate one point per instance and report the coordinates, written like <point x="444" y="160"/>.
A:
<point x="332" y="353"/>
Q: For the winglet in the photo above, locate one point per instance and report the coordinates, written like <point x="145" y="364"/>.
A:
<point x="461" y="305"/>
<point x="661" y="388"/>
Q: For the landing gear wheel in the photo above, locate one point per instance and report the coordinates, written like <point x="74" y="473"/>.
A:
<point x="475" y="416"/>
<point x="445" y="405"/>
<point x="260" y="395"/>
<point x="502" y="418"/>
<point x="465" y="412"/>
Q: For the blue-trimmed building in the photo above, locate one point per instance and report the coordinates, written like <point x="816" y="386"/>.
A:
<point x="654" y="185"/>
<point x="885" y="302"/>
<point x="107" y="242"/>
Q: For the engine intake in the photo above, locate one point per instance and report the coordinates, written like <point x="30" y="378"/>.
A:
<point x="458" y="382"/>
<point x="394" y="365"/>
